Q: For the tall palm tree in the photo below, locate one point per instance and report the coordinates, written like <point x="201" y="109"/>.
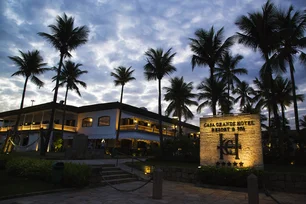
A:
<point x="208" y="48"/>
<point x="259" y="31"/>
<point x="159" y="64"/>
<point x="180" y="96"/>
<point x="64" y="37"/>
<point x="283" y="90"/>
<point x="213" y="92"/>
<point x="69" y="76"/>
<point x="292" y="27"/>
<point x="228" y="72"/>
<point x="122" y="76"/>
<point x="303" y="121"/>
<point x="244" y="92"/>
<point x="250" y="109"/>
<point x="30" y="65"/>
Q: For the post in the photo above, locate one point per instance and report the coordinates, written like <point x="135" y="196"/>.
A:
<point x="253" y="195"/>
<point x="157" y="184"/>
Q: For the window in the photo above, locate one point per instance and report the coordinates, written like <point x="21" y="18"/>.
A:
<point x="87" y="122"/>
<point x="104" y="121"/>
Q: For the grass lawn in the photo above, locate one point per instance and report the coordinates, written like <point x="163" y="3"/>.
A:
<point x="10" y="185"/>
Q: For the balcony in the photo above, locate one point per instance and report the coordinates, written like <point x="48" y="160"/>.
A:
<point x="39" y="126"/>
<point x="145" y="129"/>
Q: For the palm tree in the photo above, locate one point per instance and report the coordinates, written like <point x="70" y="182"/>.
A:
<point x="70" y="76"/>
<point x="122" y="76"/>
<point x="244" y="92"/>
<point x="228" y="72"/>
<point x="180" y="96"/>
<point x="303" y="121"/>
<point x="292" y="26"/>
<point x="213" y="92"/>
<point x="158" y="65"/>
<point x="283" y="90"/>
<point x="208" y="48"/>
<point x="250" y="109"/>
<point x="64" y="37"/>
<point x="259" y="31"/>
<point x="30" y="65"/>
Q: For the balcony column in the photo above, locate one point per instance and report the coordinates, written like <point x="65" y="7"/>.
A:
<point x="24" y="118"/>
<point x="42" y="119"/>
<point x="32" y="121"/>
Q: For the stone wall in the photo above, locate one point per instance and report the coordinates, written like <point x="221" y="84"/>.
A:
<point x="288" y="182"/>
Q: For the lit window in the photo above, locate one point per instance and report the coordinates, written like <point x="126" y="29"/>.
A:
<point x="87" y="122"/>
<point x="104" y="121"/>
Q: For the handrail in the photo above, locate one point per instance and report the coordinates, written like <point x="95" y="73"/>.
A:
<point x="130" y="156"/>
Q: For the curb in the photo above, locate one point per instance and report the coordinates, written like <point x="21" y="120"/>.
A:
<point x="35" y="193"/>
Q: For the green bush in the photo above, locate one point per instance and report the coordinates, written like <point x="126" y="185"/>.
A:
<point x="236" y="177"/>
<point x="4" y="158"/>
<point x="76" y="175"/>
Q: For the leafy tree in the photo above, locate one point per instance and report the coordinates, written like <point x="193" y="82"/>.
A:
<point x="180" y="96"/>
<point x="159" y="64"/>
<point x="122" y="76"/>
<point x="70" y="76"/>
<point x="213" y="92"/>
<point x="244" y="92"/>
<point x="30" y="65"/>
<point x="64" y="37"/>
<point x="292" y="26"/>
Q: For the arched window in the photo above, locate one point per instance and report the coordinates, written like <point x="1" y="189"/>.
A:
<point x="104" y="121"/>
<point x="87" y="122"/>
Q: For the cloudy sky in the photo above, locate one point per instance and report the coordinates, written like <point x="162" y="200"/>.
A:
<point x="120" y="32"/>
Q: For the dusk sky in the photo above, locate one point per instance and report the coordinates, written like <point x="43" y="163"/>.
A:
<point x="120" y="33"/>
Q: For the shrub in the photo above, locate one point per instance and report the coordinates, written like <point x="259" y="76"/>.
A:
<point x="228" y="176"/>
<point x="76" y="175"/>
<point x="4" y="158"/>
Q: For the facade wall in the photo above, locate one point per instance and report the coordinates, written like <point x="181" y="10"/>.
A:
<point x="95" y="131"/>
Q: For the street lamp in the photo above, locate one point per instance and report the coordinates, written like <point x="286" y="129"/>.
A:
<point x="32" y="101"/>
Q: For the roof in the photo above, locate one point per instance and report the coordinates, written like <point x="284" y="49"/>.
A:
<point x="96" y="107"/>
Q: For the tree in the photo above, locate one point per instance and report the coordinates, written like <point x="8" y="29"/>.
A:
<point x="70" y="76"/>
<point x="292" y="26"/>
<point x="64" y="37"/>
<point x="244" y="92"/>
<point x="228" y="72"/>
<point x="180" y="96"/>
<point x="213" y="92"/>
<point x="259" y="31"/>
<point x="303" y="121"/>
<point x="158" y="65"/>
<point x="30" y="65"/>
<point x="250" y="109"/>
<point x="208" y="48"/>
<point x="122" y="76"/>
<point x="283" y="90"/>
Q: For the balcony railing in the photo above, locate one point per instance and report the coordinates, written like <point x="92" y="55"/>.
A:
<point x="37" y="127"/>
<point x="145" y="129"/>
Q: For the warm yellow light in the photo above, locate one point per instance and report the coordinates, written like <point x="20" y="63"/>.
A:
<point x="149" y="124"/>
<point x="292" y="163"/>
<point x="135" y="121"/>
<point x="90" y="119"/>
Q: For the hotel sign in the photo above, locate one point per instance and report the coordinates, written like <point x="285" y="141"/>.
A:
<point x="231" y="141"/>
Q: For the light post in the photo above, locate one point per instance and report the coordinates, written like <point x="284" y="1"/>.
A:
<point x="32" y="101"/>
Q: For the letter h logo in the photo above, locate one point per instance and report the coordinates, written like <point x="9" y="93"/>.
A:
<point x="227" y="146"/>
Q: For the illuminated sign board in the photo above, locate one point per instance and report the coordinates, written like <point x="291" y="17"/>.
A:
<point x="231" y="141"/>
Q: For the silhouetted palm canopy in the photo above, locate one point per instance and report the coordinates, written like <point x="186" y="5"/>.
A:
<point x="227" y="70"/>
<point x="213" y="92"/>
<point x="122" y="75"/>
<point x="244" y="92"/>
<point x="180" y="96"/>
<point x="303" y="121"/>
<point x="208" y="48"/>
<point x="158" y="65"/>
<point x="70" y="76"/>
<point x="64" y="37"/>
<point x="30" y="65"/>
<point x="292" y="26"/>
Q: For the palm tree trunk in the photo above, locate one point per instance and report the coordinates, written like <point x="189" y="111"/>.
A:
<point x="212" y="85"/>
<point x="64" y="112"/>
<point x="161" y="138"/>
<point x="119" y="118"/>
<point x="50" y="128"/>
<point x="283" y="117"/>
<point x="275" y="109"/>
<point x="179" y="122"/>
<point x="296" y="113"/>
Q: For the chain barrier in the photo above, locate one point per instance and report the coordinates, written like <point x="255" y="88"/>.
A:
<point x="124" y="190"/>
<point x="268" y="194"/>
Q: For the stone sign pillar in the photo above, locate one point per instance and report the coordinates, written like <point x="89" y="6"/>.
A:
<point x="231" y="141"/>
